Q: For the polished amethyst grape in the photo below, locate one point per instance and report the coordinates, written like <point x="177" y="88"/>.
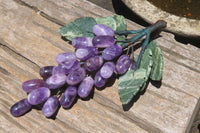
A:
<point x="82" y="42"/>
<point x="66" y="67"/>
<point x="84" y="53"/>
<point x="50" y="106"/>
<point x="112" y="52"/>
<point x="107" y="70"/>
<point x="76" y="76"/>
<point x="133" y="65"/>
<point x="56" y="81"/>
<point x="20" y="108"/>
<point x="103" y="41"/>
<point x="32" y="84"/>
<point x="38" y="96"/>
<point x="93" y="63"/>
<point x="46" y="72"/>
<point x="100" y="29"/>
<point x="85" y="87"/>
<point x="65" y="57"/>
<point x="68" y="97"/>
<point x="122" y="65"/>
<point x="99" y="81"/>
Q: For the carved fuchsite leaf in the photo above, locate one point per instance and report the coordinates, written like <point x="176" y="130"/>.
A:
<point x="158" y="65"/>
<point x="129" y="84"/>
<point x="81" y="27"/>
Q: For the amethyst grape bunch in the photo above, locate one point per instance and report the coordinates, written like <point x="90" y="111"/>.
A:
<point x="101" y="50"/>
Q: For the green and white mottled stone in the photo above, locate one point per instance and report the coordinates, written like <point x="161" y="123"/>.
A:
<point x="109" y="21"/>
<point x="130" y="83"/>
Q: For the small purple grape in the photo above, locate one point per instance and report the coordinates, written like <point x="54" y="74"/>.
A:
<point x="32" y="84"/>
<point x="123" y="63"/>
<point x="76" y="76"/>
<point x="93" y="63"/>
<point x="103" y="41"/>
<point x="65" y="57"/>
<point x="85" y="87"/>
<point x="100" y="29"/>
<point x="50" y="106"/>
<point x="82" y="42"/>
<point x="99" y="81"/>
<point x="20" y="108"/>
<point x="68" y="97"/>
<point x="107" y="70"/>
<point x="112" y="52"/>
<point x="38" y="96"/>
<point x="46" y="72"/>
<point x="133" y="65"/>
<point x="84" y="53"/>
<point x="66" y="68"/>
<point x="56" y="81"/>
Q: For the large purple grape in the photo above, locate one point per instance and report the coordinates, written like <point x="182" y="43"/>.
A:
<point x="123" y="63"/>
<point x="82" y="42"/>
<point x="50" y="106"/>
<point x="46" y="72"/>
<point x="66" y="67"/>
<point x="103" y="41"/>
<point x="100" y="29"/>
<point x="83" y="53"/>
<point x="112" y="52"/>
<point x="32" y="84"/>
<point x="99" y="81"/>
<point x="93" y="63"/>
<point x="76" y="76"/>
<point x="68" y="97"/>
<point x="85" y="87"/>
<point x="107" y="70"/>
<point x="65" y="57"/>
<point x="56" y="81"/>
<point x="38" y="96"/>
<point x="20" y="107"/>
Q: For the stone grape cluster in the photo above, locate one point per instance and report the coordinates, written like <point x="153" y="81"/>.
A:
<point x="95" y="61"/>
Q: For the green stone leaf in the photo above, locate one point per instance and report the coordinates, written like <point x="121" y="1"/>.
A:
<point x="146" y="63"/>
<point x="129" y="84"/>
<point x="120" y="39"/>
<point x="78" y="28"/>
<point x="109" y="21"/>
<point x="120" y="22"/>
<point x="158" y="65"/>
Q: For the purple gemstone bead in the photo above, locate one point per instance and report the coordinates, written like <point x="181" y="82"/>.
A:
<point x="84" y="53"/>
<point x="56" y="81"/>
<point x="38" y="96"/>
<point x="93" y="63"/>
<point x="65" y="57"/>
<point x="100" y="29"/>
<point x="46" y="72"/>
<point x="50" y="106"/>
<point x="103" y="41"/>
<point x="66" y="67"/>
<point x="112" y="52"/>
<point x="32" y="84"/>
<point x="82" y="42"/>
<point x="133" y="65"/>
<point x="68" y="97"/>
<point x="76" y="76"/>
<point x="107" y="70"/>
<point x="99" y="81"/>
<point x="123" y="63"/>
<point x="85" y="87"/>
<point x="20" y="107"/>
